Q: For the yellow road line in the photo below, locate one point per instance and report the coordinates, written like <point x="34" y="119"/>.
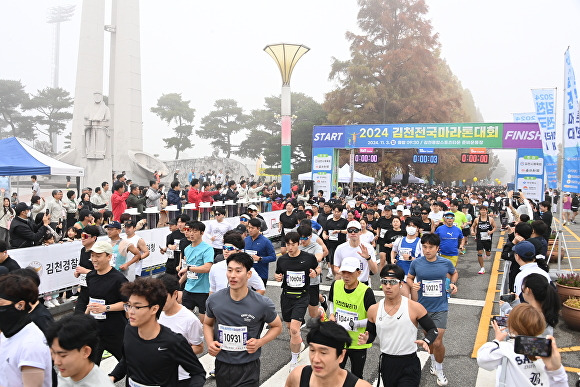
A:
<point x="569" y="349"/>
<point x="483" y="330"/>
<point x="572" y="369"/>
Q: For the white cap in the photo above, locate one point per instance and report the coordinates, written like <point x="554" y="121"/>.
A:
<point x="350" y="264"/>
<point x="354" y="223"/>
<point x="252" y="207"/>
<point x="400" y="207"/>
<point x="395" y="199"/>
<point x="406" y="212"/>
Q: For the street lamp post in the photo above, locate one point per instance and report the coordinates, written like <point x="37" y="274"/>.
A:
<point x="286" y="56"/>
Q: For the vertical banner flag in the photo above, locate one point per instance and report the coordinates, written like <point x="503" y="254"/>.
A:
<point x="571" y="178"/>
<point x="525" y="117"/>
<point x="544" y="102"/>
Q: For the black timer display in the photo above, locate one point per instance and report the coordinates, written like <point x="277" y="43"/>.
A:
<point x="475" y="158"/>
<point x="426" y="159"/>
<point x="366" y="158"/>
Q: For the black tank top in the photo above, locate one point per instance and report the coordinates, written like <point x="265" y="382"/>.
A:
<point x="350" y="380"/>
<point x="483" y="226"/>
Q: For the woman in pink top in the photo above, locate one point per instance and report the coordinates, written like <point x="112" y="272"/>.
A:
<point x="567" y="208"/>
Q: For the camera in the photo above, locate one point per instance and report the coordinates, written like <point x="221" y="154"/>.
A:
<point x="533" y="346"/>
<point x="508" y="297"/>
<point x="500" y="320"/>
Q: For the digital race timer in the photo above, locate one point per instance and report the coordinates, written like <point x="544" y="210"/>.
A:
<point x="475" y="158"/>
<point x="366" y="158"/>
<point x="426" y="159"/>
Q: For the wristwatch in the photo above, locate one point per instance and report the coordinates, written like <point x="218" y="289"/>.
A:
<point x="107" y="308"/>
<point x="369" y="258"/>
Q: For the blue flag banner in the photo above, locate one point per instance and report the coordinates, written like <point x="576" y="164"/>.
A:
<point x="545" y="104"/>
<point x="571" y="178"/>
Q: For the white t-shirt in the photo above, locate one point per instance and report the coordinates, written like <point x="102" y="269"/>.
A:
<point x="218" y="279"/>
<point x="26" y="348"/>
<point x="97" y="377"/>
<point x="187" y="324"/>
<point x="217" y="229"/>
<point x="435" y="216"/>
<point x="367" y="237"/>
<point x="137" y="267"/>
<point x="345" y="250"/>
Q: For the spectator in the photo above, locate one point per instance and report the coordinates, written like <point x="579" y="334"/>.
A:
<point x="6" y="215"/>
<point x="23" y="232"/>
<point x="118" y="200"/>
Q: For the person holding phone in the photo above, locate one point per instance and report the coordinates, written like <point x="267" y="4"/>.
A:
<point x="518" y="365"/>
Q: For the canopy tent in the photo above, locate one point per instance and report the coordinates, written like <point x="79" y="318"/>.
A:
<point x="17" y="159"/>
<point x="412" y="179"/>
<point x="343" y="176"/>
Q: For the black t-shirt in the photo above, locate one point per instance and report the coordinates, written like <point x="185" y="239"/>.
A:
<point x="392" y="235"/>
<point x="170" y="264"/>
<point x="384" y="224"/>
<point x="296" y="272"/>
<point x="107" y="287"/>
<point x="85" y="259"/>
<point x="288" y="221"/>
<point x="339" y="224"/>
<point x="10" y="264"/>
<point x="322" y="219"/>
<point x="426" y="226"/>
<point x="155" y="362"/>
<point x="41" y="317"/>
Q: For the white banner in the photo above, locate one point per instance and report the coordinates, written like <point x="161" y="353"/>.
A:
<point x="571" y="180"/>
<point x="545" y="104"/>
<point x="55" y="264"/>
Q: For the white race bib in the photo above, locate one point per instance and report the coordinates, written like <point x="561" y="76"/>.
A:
<point x="333" y="237"/>
<point x="251" y="252"/>
<point x="133" y="383"/>
<point x="113" y="259"/>
<point x="287" y="230"/>
<point x="98" y="316"/>
<point x="405" y="250"/>
<point x="170" y="254"/>
<point x="176" y="243"/>
<point x="344" y="317"/>
<point x="383" y="232"/>
<point x="192" y="275"/>
<point x="432" y="288"/>
<point x="295" y="279"/>
<point x="233" y="338"/>
<point x="83" y="280"/>
<point x="484" y="236"/>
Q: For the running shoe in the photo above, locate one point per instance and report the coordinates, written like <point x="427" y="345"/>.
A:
<point x="49" y="304"/>
<point x="432" y="370"/>
<point x="441" y="379"/>
<point x="574" y="222"/>
<point x="212" y="373"/>
<point x="482" y="271"/>
<point x="324" y="302"/>
<point x="329" y="277"/>
<point x="55" y="301"/>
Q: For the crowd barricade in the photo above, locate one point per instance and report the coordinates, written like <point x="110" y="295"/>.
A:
<point x="55" y="264"/>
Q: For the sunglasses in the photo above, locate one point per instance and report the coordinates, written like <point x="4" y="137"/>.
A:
<point x="449" y="217"/>
<point x="186" y="229"/>
<point x="86" y="236"/>
<point x="303" y="238"/>
<point x="243" y="219"/>
<point x="352" y="230"/>
<point x="424" y="213"/>
<point x="229" y="248"/>
<point x="390" y="281"/>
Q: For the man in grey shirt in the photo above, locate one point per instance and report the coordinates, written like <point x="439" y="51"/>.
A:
<point x="153" y="195"/>
<point x="234" y="320"/>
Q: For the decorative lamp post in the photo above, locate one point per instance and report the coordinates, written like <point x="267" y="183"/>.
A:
<point x="286" y="56"/>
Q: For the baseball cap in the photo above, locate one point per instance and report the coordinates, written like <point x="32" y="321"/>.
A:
<point x="102" y="247"/>
<point x="406" y="212"/>
<point x="21" y="207"/>
<point x="114" y="224"/>
<point x="172" y="222"/>
<point x="448" y="213"/>
<point x="246" y="216"/>
<point x="387" y="208"/>
<point x="252" y="207"/>
<point x="355" y="224"/>
<point x="400" y="207"/>
<point x="241" y="228"/>
<point x="350" y="264"/>
<point x="525" y="249"/>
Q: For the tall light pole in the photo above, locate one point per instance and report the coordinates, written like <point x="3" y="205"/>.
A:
<point x="286" y="56"/>
<point x="57" y="15"/>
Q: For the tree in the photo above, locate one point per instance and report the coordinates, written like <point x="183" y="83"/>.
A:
<point x="12" y="99"/>
<point x="52" y="104"/>
<point x="220" y="124"/>
<point x="394" y="75"/>
<point x="174" y="110"/>
<point x="264" y="137"/>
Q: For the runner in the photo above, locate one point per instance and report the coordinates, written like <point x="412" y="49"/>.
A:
<point x="197" y="262"/>
<point x="451" y="238"/>
<point x="483" y="228"/>
<point x="398" y="363"/>
<point x="235" y="319"/>
<point x="426" y="278"/>
<point x="151" y="351"/>
<point x="350" y="300"/>
<point x="310" y="245"/>
<point x="408" y="248"/>
<point x="327" y="341"/>
<point x="355" y="248"/>
<point x="334" y="233"/>
<point x="294" y="269"/>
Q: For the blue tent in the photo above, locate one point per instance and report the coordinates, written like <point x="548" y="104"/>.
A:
<point x="17" y="159"/>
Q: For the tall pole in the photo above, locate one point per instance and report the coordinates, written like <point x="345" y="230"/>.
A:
<point x="286" y="56"/>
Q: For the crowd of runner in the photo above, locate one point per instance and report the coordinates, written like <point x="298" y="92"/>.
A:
<point x="410" y="239"/>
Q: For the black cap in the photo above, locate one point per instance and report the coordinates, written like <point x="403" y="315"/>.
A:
<point x="21" y="207"/>
<point x="241" y="228"/>
<point x="172" y="222"/>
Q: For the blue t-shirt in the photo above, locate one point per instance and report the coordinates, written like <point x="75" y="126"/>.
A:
<point x="449" y="239"/>
<point x="198" y="256"/>
<point x="432" y="275"/>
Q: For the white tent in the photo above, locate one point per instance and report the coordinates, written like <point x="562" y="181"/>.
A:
<point x="412" y="179"/>
<point x="343" y="176"/>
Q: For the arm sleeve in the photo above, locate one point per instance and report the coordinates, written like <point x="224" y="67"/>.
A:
<point x="428" y="325"/>
<point x="369" y="298"/>
<point x="372" y="330"/>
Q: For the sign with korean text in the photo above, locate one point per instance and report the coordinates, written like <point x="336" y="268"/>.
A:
<point x="322" y="165"/>
<point x="544" y="102"/>
<point x="530" y="173"/>
<point x="571" y="178"/>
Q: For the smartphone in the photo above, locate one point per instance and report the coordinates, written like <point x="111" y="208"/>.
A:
<point x="533" y="346"/>
<point x="47" y="212"/>
<point x="508" y="297"/>
<point x="500" y="320"/>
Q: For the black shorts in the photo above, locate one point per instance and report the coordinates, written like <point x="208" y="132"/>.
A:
<point x="400" y="370"/>
<point x="484" y="245"/>
<point x="466" y="231"/>
<point x="313" y="292"/>
<point x="293" y="308"/>
<point x="191" y="300"/>
<point x="231" y="375"/>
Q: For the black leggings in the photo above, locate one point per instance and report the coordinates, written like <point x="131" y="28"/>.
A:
<point x="357" y="361"/>
<point x="113" y="344"/>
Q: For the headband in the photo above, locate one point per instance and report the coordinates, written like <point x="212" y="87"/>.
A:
<point x="319" y="338"/>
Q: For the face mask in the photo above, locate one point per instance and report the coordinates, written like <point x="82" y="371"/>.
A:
<point x="411" y="230"/>
<point x="10" y="317"/>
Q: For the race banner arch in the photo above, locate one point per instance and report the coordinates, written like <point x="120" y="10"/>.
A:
<point x="327" y="140"/>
